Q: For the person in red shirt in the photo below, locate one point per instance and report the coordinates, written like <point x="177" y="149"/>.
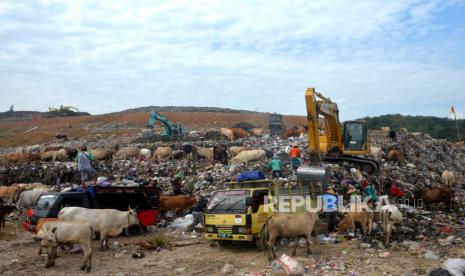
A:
<point x="396" y="191"/>
<point x="294" y="153"/>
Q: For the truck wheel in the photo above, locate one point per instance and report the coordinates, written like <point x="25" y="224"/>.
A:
<point x="133" y="230"/>
<point x="260" y="241"/>
<point x="224" y="243"/>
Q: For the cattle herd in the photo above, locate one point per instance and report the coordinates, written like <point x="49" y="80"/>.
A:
<point x="250" y="149"/>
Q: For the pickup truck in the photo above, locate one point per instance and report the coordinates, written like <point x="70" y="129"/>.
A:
<point x="145" y="200"/>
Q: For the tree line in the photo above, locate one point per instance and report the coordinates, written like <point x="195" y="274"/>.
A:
<point x="442" y="128"/>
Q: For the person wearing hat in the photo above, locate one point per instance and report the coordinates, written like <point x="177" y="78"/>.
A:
<point x="276" y="166"/>
<point x="352" y="191"/>
<point x="83" y="159"/>
<point x="330" y="208"/>
<point x="294" y="153"/>
<point x="176" y="184"/>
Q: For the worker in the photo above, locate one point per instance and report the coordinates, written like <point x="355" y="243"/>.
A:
<point x="392" y="135"/>
<point x="83" y="159"/>
<point x="395" y="190"/>
<point x="369" y="191"/>
<point x="198" y="212"/>
<point x="330" y="208"/>
<point x="294" y="153"/>
<point x="176" y="184"/>
<point x="352" y="191"/>
<point x="276" y="166"/>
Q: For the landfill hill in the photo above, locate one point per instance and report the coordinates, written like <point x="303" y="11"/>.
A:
<point x="38" y="130"/>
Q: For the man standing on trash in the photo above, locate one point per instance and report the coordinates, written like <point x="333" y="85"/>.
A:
<point x="176" y="184"/>
<point x="294" y="153"/>
<point x="276" y="166"/>
<point x="83" y="159"/>
<point x="330" y="208"/>
<point x="198" y="212"/>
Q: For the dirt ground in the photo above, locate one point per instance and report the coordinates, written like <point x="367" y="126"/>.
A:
<point x="18" y="256"/>
<point x="19" y="133"/>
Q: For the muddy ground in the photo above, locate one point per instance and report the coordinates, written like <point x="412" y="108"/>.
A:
<point x="194" y="256"/>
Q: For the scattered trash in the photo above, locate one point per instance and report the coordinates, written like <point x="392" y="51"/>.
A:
<point x="429" y="255"/>
<point x="228" y="269"/>
<point x="138" y="255"/>
<point x="291" y="266"/>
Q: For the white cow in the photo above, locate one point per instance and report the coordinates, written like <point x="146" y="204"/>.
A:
<point x="107" y="222"/>
<point x="389" y="215"/>
<point x="248" y="156"/>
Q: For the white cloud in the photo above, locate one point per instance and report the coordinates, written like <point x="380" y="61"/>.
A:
<point x="373" y="57"/>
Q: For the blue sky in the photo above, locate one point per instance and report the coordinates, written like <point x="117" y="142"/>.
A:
<point x="371" y="57"/>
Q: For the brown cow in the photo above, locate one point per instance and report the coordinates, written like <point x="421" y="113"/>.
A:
<point x="292" y="225"/>
<point x="17" y="157"/>
<point x="52" y="148"/>
<point x="293" y="132"/>
<point x="439" y="195"/>
<point x="178" y="203"/>
<point x="229" y="134"/>
<point x="395" y="155"/>
<point x="220" y="154"/>
<point x="239" y="133"/>
<point x="258" y="132"/>
<point x="357" y="214"/>
<point x="10" y="193"/>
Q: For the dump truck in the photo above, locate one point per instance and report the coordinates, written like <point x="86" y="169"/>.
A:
<point x="239" y="212"/>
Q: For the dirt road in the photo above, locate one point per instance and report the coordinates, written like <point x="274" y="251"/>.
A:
<point x="18" y="256"/>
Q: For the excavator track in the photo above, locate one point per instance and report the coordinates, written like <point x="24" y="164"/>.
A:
<point x="367" y="165"/>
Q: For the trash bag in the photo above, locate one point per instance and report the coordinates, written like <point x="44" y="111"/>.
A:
<point x="250" y="176"/>
<point x="439" y="272"/>
<point x="291" y="266"/>
<point x="182" y="223"/>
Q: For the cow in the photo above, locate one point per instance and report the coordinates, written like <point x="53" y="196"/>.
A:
<point x="34" y="157"/>
<point x="448" y="178"/>
<point x="248" y="156"/>
<point x="101" y="154"/>
<point x="389" y="216"/>
<point x="46" y="148"/>
<point x="58" y="233"/>
<point x="385" y="131"/>
<point x="395" y="155"/>
<point x="5" y="209"/>
<point x="145" y="154"/>
<point x="107" y="222"/>
<point x="220" y="154"/>
<point x="292" y="225"/>
<point x="163" y="154"/>
<point x="17" y="157"/>
<point x="125" y="153"/>
<point x="239" y="133"/>
<point x="56" y="155"/>
<point x="438" y="195"/>
<point x="257" y="132"/>
<point x="377" y="153"/>
<point x="178" y="203"/>
<point x="204" y="153"/>
<point x="40" y="224"/>
<point x="235" y="150"/>
<point x="72" y="153"/>
<point x="229" y="134"/>
<point x="293" y="132"/>
<point x="11" y="193"/>
<point x="28" y="198"/>
<point x="178" y="154"/>
<point x="358" y="213"/>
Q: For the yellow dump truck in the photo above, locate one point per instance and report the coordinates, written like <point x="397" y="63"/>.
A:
<point x="239" y="212"/>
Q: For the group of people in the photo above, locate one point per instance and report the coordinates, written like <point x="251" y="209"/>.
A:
<point x="276" y="164"/>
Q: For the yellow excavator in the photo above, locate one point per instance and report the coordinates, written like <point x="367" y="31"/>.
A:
<point x="336" y="143"/>
<point x="63" y="109"/>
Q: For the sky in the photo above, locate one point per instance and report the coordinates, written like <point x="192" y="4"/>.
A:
<point x="370" y="57"/>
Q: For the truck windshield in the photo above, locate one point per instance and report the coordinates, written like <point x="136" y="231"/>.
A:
<point x="228" y="202"/>
<point x="46" y="201"/>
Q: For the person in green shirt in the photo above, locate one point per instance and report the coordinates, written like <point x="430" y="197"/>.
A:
<point x="276" y="166"/>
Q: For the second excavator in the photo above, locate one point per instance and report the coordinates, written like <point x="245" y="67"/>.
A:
<point x="336" y="143"/>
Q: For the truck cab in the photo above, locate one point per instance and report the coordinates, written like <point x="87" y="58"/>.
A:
<point x="239" y="212"/>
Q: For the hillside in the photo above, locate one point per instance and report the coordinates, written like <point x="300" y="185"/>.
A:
<point x="442" y="128"/>
<point x="126" y="124"/>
